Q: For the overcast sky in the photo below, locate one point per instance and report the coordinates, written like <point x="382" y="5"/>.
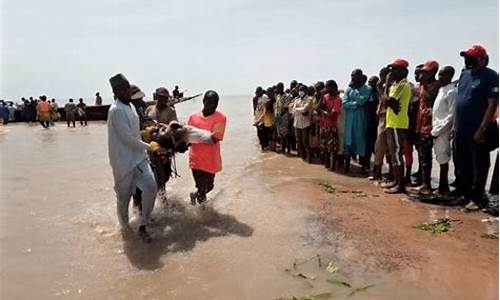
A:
<point x="64" y="48"/>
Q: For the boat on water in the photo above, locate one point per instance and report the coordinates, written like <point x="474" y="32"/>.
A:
<point x="100" y="112"/>
<point x="94" y="112"/>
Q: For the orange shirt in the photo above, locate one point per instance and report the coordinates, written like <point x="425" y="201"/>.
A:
<point x="203" y="156"/>
<point x="43" y="107"/>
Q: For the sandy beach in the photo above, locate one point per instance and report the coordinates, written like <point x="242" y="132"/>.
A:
<point x="59" y="235"/>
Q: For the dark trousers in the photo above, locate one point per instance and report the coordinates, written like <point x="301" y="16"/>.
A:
<point x="473" y="162"/>
<point x="45" y="124"/>
<point x="264" y="135"/>
<point x="425" y="143"/>
<point x="302" y="136"/>
<point x="204" y="182"/>
<point x="69" y="119"/>
<point x="494" y="179"/>
<point x="83" y="120"/>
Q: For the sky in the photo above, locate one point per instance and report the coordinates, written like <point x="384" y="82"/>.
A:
<point x="64" y="49"/>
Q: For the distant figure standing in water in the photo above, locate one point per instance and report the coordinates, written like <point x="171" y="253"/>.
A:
<point x="98" y="99"/>
<point x="82" y="114"/>
<point x="70" y="109"/>
<point x="204" y="158"/>
<point x="54" y="115"/>
<point x="128" y="157"/>
<point x="43" y="112"/>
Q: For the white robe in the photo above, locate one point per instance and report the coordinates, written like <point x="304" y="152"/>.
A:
<point x="125" y="147"/>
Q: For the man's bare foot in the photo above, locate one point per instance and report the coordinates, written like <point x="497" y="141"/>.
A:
<point x="144" y="235"/>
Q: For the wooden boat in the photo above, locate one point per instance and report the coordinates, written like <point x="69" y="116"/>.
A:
<point x="94" y="112"/>
<point x="100" y="112"/>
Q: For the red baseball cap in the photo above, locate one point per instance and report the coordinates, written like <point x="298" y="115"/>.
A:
<point x="430" y="65"/>
<point x="475" y="51"/>
<point x="399" y="62"/>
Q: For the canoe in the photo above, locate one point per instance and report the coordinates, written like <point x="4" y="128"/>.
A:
<point x="94" y="112"/>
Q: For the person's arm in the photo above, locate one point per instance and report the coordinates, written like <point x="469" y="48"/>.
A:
<point x="117" y="120"/>
<point x="488" y="116"/>
<point x="449" y="120"/>
<point x="196" y="135"/>
<point x="218" y="130"/>
<point x="305" y="109"/>
<point x="349" y="103"/>
<point x="360" y="96"/>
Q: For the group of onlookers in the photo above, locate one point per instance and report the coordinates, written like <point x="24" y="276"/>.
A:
<point x="44" y="111"/>
<point x="386" y="116"/>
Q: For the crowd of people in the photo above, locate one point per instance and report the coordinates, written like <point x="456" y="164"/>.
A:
<point x="387" y="116"/>
<point x="44" y="111"/>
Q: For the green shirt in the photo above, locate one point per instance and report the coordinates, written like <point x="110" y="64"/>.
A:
<point x="400" y="91"/>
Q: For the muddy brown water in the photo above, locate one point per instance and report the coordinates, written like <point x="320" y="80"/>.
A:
<point x="59" y="237"/>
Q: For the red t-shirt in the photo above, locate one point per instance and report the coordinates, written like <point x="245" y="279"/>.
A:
<point x="330" y="104"/>
<point x="203" y="156"/>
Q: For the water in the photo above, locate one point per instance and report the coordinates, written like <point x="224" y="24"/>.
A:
<point x="60" y="239"/>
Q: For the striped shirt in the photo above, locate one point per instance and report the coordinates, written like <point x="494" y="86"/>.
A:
<point x="301" y="111"/>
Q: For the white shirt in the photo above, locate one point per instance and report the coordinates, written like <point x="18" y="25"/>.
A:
<point x="443" y="110"/>
<point x="125" y="147"/>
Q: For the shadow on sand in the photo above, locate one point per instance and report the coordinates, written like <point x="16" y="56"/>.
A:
<point x="177" y="228"/>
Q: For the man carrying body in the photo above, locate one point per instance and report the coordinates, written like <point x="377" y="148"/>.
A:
<point x="128" y="157"/>
<point x="443" y="113"/>
<point x="477" y="100"/>
<point x="162" y="112"/>
<point x="204" y="158"/>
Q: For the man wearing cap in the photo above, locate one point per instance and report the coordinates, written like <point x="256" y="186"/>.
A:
<point x="477" y="100"/>
<point x="427" y="92"/>
<point x="139" y="104"/>
<point x="443" y="113"/>
<point x="128" y="157"/>
<point x="162" y="112"/>
<point x="397" y="120"/>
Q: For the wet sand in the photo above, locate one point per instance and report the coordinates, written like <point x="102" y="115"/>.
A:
<point x="59" y="236"/>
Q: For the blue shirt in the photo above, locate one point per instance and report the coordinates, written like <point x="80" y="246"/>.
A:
<point x="474" y="89"/>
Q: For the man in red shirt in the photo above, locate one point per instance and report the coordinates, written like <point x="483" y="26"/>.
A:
<point x="204" y="158"/>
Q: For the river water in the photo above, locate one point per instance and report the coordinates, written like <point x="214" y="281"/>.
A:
<point x="59" y="235"/>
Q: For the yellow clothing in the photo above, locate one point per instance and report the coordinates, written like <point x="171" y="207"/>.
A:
<point x="400" y="91"/>
<point x="268" y="119"/>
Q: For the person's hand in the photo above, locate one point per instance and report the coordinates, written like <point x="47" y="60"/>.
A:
<point x="146" y="133"/>
<point x="394" y="105"/>
<point x="480" y="134"/>
<point x="154" y="147"/>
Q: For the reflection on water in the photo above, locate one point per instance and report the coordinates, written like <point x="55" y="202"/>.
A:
<point x="178" y="228"/>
